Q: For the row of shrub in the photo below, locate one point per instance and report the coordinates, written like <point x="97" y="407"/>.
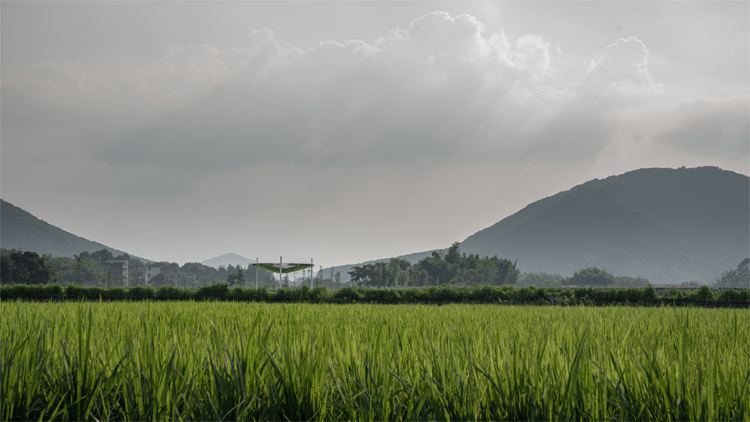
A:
<point x="443" y="294"/>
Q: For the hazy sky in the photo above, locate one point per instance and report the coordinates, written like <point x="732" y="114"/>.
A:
<point x="349" y="131"/>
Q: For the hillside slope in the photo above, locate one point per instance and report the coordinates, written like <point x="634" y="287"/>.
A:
<point x="20" y="229"/>
<point x="669" y="225"/>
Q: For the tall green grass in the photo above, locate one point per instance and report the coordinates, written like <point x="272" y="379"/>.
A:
<point x="258" y="361"/>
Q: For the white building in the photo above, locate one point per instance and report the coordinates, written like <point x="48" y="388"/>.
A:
<point x="150" y="273"/>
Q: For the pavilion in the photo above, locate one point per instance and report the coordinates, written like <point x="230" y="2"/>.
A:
<point x="281" y="268"/>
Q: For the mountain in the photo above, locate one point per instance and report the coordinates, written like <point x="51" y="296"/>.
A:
<point x="668" y="225"/>
<point x="20" y="229"/>
<point x="226" y="260"/>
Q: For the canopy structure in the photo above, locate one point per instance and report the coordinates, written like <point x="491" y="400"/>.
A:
<point x="287" y="267"/>
<point x="282" y="268"/>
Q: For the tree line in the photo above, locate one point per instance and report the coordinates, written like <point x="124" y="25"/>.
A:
<point x="92" y="269"/>
<point x="441" y="268"/>
<point x="450" y="267"/>
<point x="503" y="295"/>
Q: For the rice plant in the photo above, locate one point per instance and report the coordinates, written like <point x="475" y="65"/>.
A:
<point x="260" y="361"/>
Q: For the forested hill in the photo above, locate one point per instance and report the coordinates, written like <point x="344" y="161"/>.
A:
<point x="668" y="225"/>
<point x="20" y="229"/>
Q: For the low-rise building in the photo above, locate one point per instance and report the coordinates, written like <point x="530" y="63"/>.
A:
<point x="151" y="272"/>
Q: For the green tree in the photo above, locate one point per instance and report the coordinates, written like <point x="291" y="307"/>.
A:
<point x="360" y="275"/>
<point x="540" y="279"/>
<point x="78" y="268"/>
<point x="437" y="269"/>
<point x="102" y="255"/>
<point x="591" y="276"/>
<point x="454" y="255"/>
<point x="159" y="280"/>
<point x="236" y="279"/>
<point x="502" y="271"/>
<point x="739" y="277"/>
<point x="622" y="281"/>
<point x="18" y="267"/>
<point x="423" y="278"/>
<point x="449" y="268"/>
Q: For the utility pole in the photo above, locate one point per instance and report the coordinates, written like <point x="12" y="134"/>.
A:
<point x="256" y="273"/>
<point x="311" y="273"/>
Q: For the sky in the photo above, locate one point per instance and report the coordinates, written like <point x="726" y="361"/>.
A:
<point x="351" y="131"/>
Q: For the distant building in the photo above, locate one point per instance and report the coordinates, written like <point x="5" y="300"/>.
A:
<point x="150" y="273"/>
<point x="119" y="271"/>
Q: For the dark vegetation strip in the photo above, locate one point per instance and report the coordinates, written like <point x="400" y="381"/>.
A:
<point x="647" y="296"/>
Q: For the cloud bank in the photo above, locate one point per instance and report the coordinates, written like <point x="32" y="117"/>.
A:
<point x="444" y="88"/>
<point x="174" y="131"/>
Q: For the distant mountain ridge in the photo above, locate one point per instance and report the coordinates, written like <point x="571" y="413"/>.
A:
<point x="668" y="225"/>
<point x="226" y="260"/>
<point x="20" y="229"/>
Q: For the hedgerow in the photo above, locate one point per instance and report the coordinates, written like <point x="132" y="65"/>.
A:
<point x="437" y="295"/>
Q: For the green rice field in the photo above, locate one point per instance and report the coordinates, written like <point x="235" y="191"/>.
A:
<point x="258" y="361"/>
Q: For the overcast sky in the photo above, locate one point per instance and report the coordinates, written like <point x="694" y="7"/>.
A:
<point x="349" y="131"/>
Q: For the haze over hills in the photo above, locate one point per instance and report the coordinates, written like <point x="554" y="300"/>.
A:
<point x="668" y="225"/>
<point x="226" y="260"/>
<point x="20" y="229"/>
